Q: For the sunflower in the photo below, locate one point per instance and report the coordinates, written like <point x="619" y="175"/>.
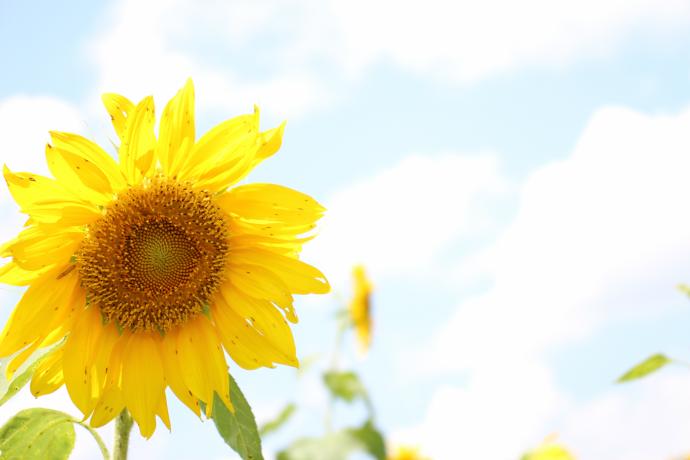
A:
<point x="360" y="306"/>
<point x="549" y="450"/>
<point x="407" y="453"/>
<point x="142" y="273"/>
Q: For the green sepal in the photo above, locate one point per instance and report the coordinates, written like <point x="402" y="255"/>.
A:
<point x="206" y="309"/>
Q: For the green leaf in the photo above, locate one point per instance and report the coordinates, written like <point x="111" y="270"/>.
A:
<point x="371" y="440"/>
<point x="9" y="388"/>
<point x="279" y="421"/>
<point x="334" y="446"/>
<point x="238" y="428"/>
<point x="345" y="385"/>
<point x="338" y="446"/>
<point x="646" y="367"/>
<point x="43" y="434"/>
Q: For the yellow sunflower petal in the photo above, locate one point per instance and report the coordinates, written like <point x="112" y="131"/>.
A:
<point x="48" y="374"/>
<point x="174" y="374"/>
<point x="69" y="170"/>
<point x="241" y="226"/>
<point x="269" y="143"/>
<point x="229" y="152"/>
<point x="229" y="169"/>
<point x="271" y="334"/>
<point x="112" y="401"/>
<point x="27" y="324"/>
<point x="176" y="129"/>
<point x="59" y="320"/>
<point x="259" y="282"/>
<point x="201" y="357"/>
<point x="143" y="383"/>
<point x="137" y="148"/>
<point x="219" y="143"/>
<point x="20" y="359"/>
<point x="64" y="215"/>
<point x="64" y="314"/>
<point x="48" y="201"/>
<point x="86" y="355"/>
<point x="109" y="406"/>
<point x="271" y="203"/>
<point x="290" y="247"/>
<point x="242" y="342"/>
<point x="119" y="108"/>
<point x="89" y="162"/>
<point x="299" y="277"/>
<point x="14" y="275"/>
<point x="36" y="249"/>
<point x="162" y="411"/>
<point x="360" y="307"/>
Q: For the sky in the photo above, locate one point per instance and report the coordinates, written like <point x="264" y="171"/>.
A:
<point x="514" y="175"/>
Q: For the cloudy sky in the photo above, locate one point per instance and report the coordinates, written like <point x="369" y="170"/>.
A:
<point x="515" y="175"/>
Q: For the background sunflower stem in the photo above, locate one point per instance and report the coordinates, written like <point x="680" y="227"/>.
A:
<point x="123" y="426"/>
<point x="339" y="335"/>
<point x="338" y="345"/>
<point x="97" y="437"/>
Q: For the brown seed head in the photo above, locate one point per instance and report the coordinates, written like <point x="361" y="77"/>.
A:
<point x="155" y="257"/>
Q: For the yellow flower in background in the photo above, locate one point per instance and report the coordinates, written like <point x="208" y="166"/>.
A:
<point x="150" y="267"/>
<point x="549" y="450"/>
<point x="360" y="307"/>
<point x="406" y="453"/>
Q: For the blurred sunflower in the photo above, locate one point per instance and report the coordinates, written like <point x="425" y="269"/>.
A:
<point x="407" y="453"/>
<point x="549" y="450"/>
<point x="360" y="307"/>
<point x="151" y="267"/>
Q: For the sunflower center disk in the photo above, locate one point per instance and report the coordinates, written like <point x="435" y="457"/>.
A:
<point x="156" y="256"/>
<point x="160" y="255"/>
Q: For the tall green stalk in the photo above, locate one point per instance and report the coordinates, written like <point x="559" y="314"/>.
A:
<point x="123" y="427"/>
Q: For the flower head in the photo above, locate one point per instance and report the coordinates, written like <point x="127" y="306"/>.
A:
<point x="549" y="450"/>
<point x="360" y="306"/>
<point x="154" y="266"/>
<point x="406" y="453"/>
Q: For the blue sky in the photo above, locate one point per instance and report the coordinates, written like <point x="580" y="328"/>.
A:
<point x="513" y="176"/>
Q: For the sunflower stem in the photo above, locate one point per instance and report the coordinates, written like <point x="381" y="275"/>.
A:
<point x="123" y="426"/>
<point x="337" y="346"/>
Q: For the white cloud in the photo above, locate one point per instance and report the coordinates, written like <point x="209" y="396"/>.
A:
<point x="640" y="421"/>
<point x="24" y="125"/>
<point x="581" y="248"/>
<point x="398" y="221"/>
<point x="467" y="41"/>
<point x="154" y="48"/>
<point x="499" y="414"/>
<point x="598" y="238"/>
<point x="301" y="55"/>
